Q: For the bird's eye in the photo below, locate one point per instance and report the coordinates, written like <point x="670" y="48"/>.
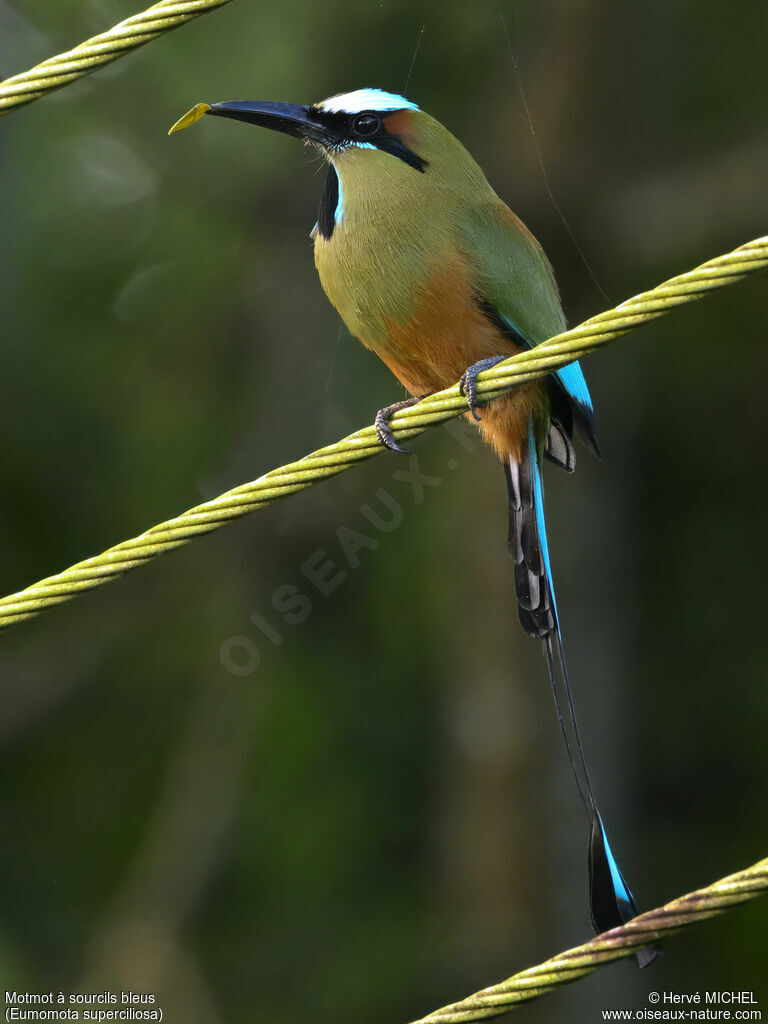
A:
<point x="366" y="125"/>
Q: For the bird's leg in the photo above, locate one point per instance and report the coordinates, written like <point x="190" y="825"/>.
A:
<point x="381" y="423"/>
<point x="468" y="382"/>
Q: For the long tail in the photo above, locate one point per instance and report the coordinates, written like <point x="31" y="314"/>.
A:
<point x="611" y="902"/>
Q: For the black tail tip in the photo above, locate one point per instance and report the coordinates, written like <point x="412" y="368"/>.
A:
<point x="645" y="957"/>
<point x="611" y="901"/>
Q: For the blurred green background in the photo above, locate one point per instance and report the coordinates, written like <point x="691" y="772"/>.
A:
<point x="355" y="807"/>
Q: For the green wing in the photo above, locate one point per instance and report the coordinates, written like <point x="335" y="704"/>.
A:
<point x="515" y="283"/>
<point x="512" y="273"/>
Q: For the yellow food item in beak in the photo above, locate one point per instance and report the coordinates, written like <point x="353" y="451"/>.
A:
<point x="190" y="117"/>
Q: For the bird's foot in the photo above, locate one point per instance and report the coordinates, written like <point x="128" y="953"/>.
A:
<point x="381" y="423"/>
<point x="468" y="382"/>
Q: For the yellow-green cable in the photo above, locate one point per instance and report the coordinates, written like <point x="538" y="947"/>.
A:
<point x="335" y="458"/>
<point x="643" y="930"/>
<point x="93" y="53"/>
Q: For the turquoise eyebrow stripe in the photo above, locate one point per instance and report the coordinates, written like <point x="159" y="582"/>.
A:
<point x="366" y="99"/>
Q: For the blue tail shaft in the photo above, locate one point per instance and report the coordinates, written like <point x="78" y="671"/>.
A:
<point x="611" y="901"/>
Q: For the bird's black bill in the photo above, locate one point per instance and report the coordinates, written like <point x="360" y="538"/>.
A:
<point x="332" y="130"/>
<point x="288" y="118"/>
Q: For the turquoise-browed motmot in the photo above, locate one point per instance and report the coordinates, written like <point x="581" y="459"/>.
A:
<point x="437" y="276"/>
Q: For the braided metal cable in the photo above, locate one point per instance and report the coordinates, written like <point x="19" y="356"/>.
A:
<point x="645" y="930"/>
<point x="338" y="457"/>
<point x="102" y="49"/>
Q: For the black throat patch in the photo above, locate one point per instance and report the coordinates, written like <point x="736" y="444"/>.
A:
<point x="326" y="215"/>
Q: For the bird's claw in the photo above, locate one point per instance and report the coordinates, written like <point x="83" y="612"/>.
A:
<point x="468" y="382"/>
<point x="386" y="437"/>
<point x="381" y="425"/>
<point x="468" y="390"/>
